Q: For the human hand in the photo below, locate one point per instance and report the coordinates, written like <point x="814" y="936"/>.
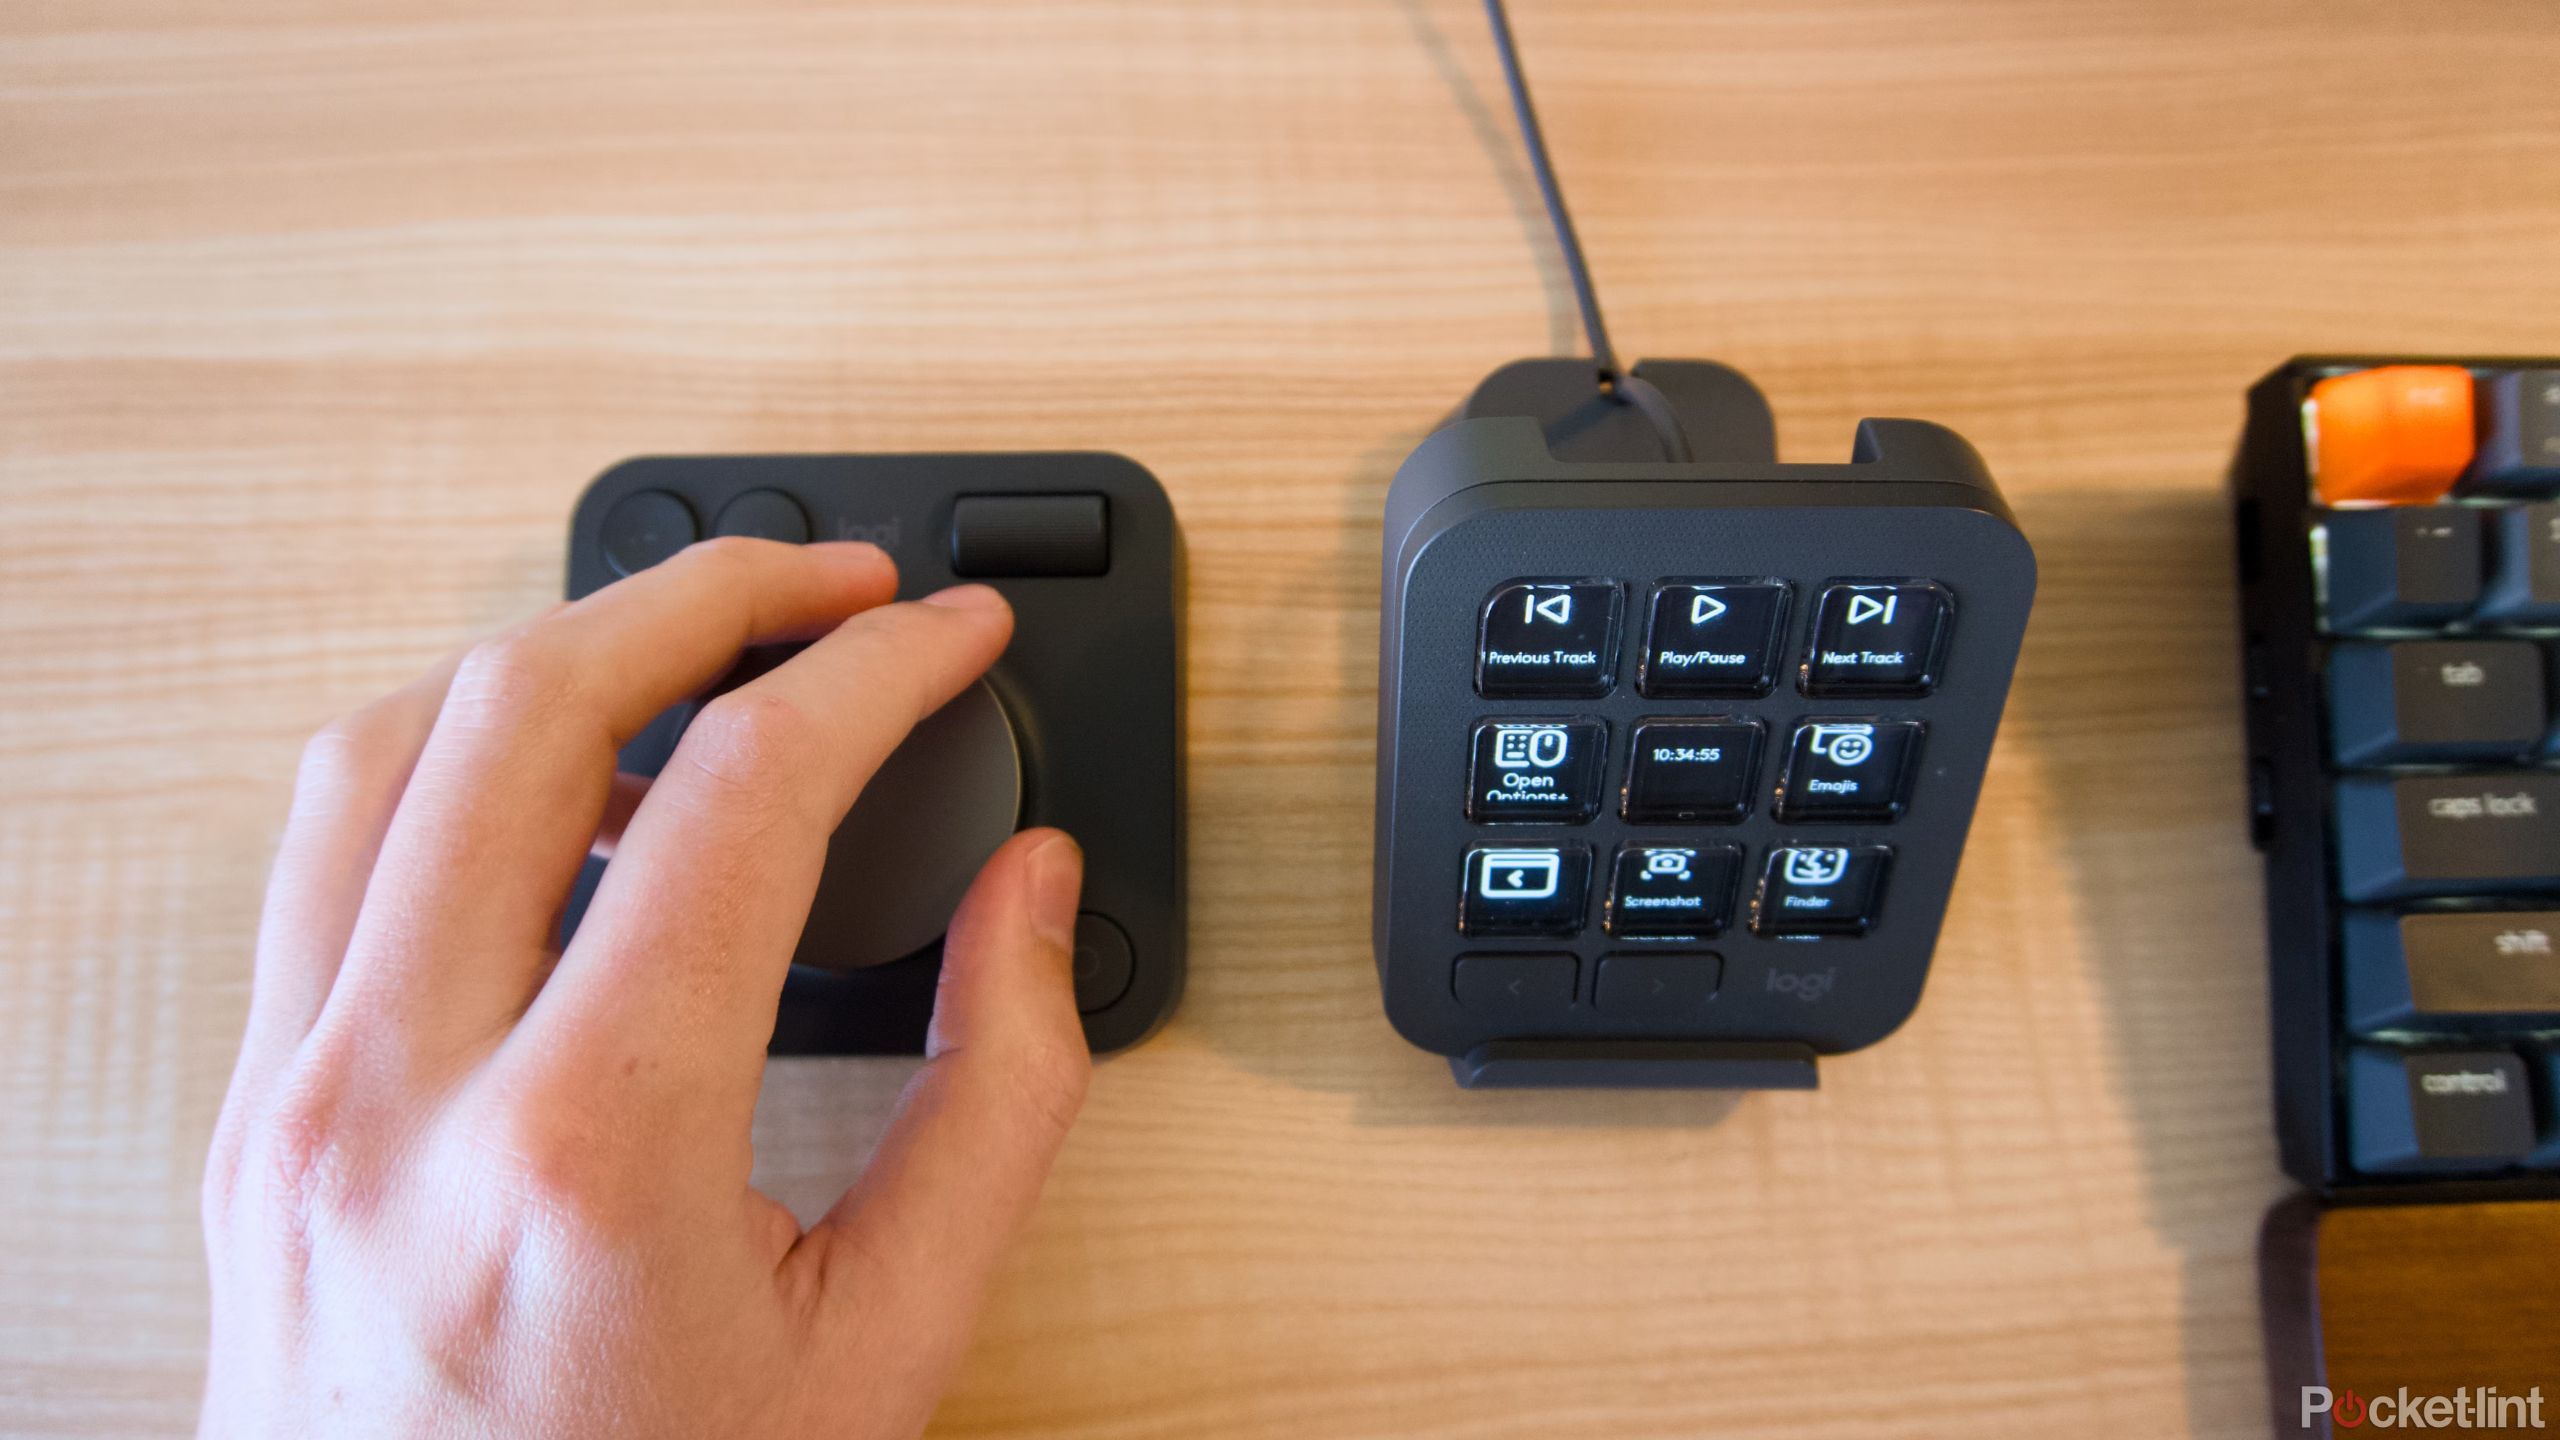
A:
<point x="465" y="1185"/>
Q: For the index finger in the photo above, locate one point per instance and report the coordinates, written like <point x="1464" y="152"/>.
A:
<point x="678" y="962"/>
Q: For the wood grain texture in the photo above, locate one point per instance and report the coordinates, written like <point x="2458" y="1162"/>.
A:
<point x="2440" y="1298"/>
<point x="316" y="314"/>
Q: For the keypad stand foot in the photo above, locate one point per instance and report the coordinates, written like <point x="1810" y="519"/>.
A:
<point x="1636" y="1065"/>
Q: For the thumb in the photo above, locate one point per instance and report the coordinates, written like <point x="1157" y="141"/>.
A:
<point x="913" y="1245"/>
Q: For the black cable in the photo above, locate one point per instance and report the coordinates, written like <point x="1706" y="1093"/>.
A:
<point x="1619" y="383"/>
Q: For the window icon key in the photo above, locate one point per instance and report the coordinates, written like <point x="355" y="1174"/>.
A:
<point x="1524" y="889"/>
<point x="1518" y="874"/>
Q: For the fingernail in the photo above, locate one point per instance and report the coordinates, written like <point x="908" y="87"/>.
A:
<point x="1057" y="879"/>
<point x="967" y="597"/>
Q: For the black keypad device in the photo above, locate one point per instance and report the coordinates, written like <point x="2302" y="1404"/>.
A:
<point x="2400" y="586"/>
<point x="1695" y="744"/>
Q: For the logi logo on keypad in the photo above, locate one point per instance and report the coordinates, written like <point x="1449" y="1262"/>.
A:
<point x="1808" y="986"/>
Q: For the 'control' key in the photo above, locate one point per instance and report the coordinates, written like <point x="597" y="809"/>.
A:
<point x="2438" y="1111"/>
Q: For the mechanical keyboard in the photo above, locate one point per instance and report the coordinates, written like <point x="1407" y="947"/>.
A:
<point x="2399" y="546"/>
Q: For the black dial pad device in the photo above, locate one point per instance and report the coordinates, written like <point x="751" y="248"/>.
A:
<point x="1676" y="760"/>
<point x="1076" y="726"/>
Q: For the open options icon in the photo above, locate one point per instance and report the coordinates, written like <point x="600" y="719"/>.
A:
<point x="1529" y="747"/>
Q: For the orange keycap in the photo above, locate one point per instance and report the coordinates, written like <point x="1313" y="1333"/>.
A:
<point x="2396" y="435"/>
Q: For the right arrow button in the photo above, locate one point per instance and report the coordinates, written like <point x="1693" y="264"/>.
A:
<point x="1657" y="988"/>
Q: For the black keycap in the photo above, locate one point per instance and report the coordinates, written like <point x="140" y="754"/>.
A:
<point x="1656" y="986"/>
<point x="764" y="515"/>
<point x="2546" y="1060"/>
<point x="2420" y="835"/>
<point x="1672" y="892"/>
<point x="644" y="528"/>
<point x="1878" y="638"/>
<point x="1549" y="637"/>
<point x="2414" y="1113"/>
<point x="2460" y="971"/>
<point x="1691" y="772"/>
<point x="1848" y="769"/>
<point x="1103" y="962"/>
<point x="1525" y="889"/>
<point x="2410" y="565"/>
<point x="2519" y="423"/>
<point x="1521" y="989"/>
<point x="1820" y="889"/>
<point x="2524" y="566"/>
<point x="1544" y="770"/>
<point x="2435" y="700"/>
<point x="1712" y="637"/>
<point x="1030" y="535"/>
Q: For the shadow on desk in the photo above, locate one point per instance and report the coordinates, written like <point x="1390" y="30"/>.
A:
<point x="2127" y="705"/>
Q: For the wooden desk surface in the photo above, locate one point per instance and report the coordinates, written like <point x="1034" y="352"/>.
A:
<point x="314" y="317"/>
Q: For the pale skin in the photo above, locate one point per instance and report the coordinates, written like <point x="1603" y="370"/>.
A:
<point x="464" y="1185"/>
